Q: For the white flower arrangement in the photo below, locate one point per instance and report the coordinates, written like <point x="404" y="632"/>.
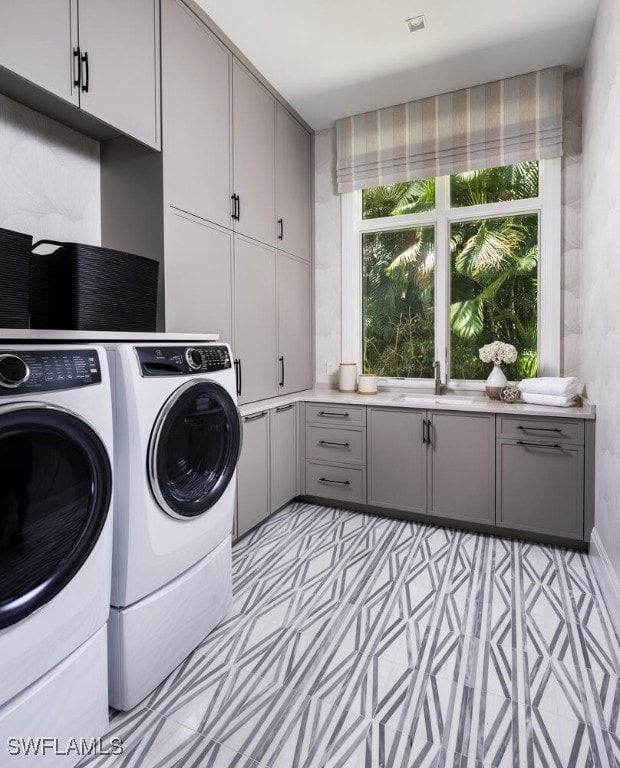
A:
<point x="497" y="352"/>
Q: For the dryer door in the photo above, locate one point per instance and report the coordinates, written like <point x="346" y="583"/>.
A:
<point x="194" y="449"/>
<point x="55" y="489"/>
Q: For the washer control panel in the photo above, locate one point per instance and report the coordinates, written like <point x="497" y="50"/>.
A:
<point x="27" y="371"/>
<point x="183" y="361"/>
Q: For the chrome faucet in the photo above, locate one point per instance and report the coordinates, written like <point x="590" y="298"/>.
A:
<point x="437" y="367"/>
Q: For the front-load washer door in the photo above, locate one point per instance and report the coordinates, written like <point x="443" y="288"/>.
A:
<point x="55" y="490"/>
<point x="194" y="449"/>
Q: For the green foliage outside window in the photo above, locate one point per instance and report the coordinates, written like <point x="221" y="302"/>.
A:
<point x="493" y="277"/>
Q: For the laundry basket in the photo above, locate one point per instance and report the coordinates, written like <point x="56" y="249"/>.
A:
<point x="88" y="288"/>
<point x="15" y="250"/>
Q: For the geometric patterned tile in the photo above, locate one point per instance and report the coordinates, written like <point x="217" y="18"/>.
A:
<point x="360" y="641"/>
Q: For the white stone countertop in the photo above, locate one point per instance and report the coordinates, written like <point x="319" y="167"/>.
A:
<point x="475" y="401"/>
<point x="32" y="336"/>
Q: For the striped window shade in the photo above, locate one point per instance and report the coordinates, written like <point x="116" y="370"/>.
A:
<point x="500" y="123"/>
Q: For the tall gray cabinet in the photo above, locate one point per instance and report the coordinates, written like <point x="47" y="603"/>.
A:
<point x="231" y="150"/>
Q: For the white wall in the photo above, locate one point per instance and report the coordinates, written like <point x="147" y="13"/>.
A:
<point x="601" y="265"/>
<point x="49" y="177"/>
<point x="328" y="274"/>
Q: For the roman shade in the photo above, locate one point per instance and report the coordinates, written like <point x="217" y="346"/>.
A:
<point x="500" y="123"/>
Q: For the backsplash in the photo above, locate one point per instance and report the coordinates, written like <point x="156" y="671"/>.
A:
<point x="49" y="177"/>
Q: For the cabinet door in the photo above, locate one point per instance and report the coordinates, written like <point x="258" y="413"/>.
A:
<point x="255" y="319"/>
<point x="36" y="42"/>
<point x="293" y="187"/>
<point x="253" y="156"/>
<point x="198" y="284"/>
<point x="396" y="459"/>
<point x="196" y="116"/>
<point x="461" y="466"/>
<point x="253" y="473"/>
<point x="294" y="324"/>
<point x="284" y="459"/>
<point x="540" y="487"/>
<point x="121" y="41"/>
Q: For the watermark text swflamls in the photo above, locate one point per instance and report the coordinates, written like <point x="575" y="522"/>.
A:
<point x="47" y="745"/>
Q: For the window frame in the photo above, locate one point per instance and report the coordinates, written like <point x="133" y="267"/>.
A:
<point x="548" y="207"/>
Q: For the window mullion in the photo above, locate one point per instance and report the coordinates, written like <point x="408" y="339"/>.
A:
<point x="442" y="275"/>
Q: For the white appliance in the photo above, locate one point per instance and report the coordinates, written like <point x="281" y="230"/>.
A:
<point x="177" y="442"/>
<point x="56" y="449"/>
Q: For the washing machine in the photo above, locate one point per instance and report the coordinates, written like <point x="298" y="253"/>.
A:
<point x="177" y="442"/>
<point x="56" y="454"/>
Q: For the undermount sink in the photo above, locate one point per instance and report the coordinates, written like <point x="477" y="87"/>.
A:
<point x="433" y="399"/>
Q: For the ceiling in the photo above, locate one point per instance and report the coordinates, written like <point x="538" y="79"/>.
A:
<point x="332" y="58"/>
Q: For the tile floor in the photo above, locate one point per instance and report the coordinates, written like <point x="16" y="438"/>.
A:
<point x="362" y="641"/>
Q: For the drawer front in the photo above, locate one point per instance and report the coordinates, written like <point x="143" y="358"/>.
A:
<point x="549" y="430"/>
<point x="335" y="414"/>
<point x="337" y="445"/>
<point x="336" y="482"/>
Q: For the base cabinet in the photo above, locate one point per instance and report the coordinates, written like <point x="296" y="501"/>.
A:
<point x="253" y="473"/>
<point x="284" y="455"/>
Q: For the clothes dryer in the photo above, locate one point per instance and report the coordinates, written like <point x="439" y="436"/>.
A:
<point x="56" y="447"/>
<point x="177" y="442"/>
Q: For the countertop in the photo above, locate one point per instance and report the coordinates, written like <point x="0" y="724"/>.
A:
<point x="32" y="336"/>
<point x="479" y="403"/>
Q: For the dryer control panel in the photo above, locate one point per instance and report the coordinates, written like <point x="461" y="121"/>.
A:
<point x="183" y="361"/>
<point x="32" y="371"/>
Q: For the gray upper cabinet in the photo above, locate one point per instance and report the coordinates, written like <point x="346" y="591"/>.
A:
<point x="294" y="324"/>
<point x="255" y="319"/>
<point x="196" y="93"/>
<point x="253" y="473"/>
<point x="253" y="157"/>
<point x="284" y="455"/>
<point x="36" y="43"/>
<point x="461" y="466"/>
<point x="198" y="276"/>
<point x="396" y="459"/>
<point x="119" y="81"/>
<point x="293" y="185"/>
<point x="100" y="56"/>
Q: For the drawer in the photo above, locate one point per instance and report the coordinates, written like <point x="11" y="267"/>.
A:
<point x="331" y="481"/>
<point x="335" y="414"/>
<point x="550" y="430"/>
<point x="337" y="445"/>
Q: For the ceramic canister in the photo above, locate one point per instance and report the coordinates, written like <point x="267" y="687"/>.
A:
<point x="367" y="384"/>
<point x="347" y="377"/>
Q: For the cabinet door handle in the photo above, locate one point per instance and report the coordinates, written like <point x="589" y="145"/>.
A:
<point x="280" y="229"/>
<point x="539" y="429"/>
<point x="334" y="415"/>
<point x="429" y="432"/>
<point x="281" y="359"/>
<point x="424" y="431"/>
<point x="238" y="208"/>
<point x="327" y="442"/>
<point x="288" y="407"/>
<point x="86" y="79"/>
<point x="334" y="482"/>
<point x="77" y="69"/>
<point x="238" y="376"/>
<point x="556" y="446"/>
<point x="233" y="214"/>
<point x="256" y="416"/>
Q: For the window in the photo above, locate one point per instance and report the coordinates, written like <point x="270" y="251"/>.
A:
<point x="434" y="269"/>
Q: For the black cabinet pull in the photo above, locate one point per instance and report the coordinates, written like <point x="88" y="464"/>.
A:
<point x="233" y="215"/>
<point x="288" y="407"/>
<point x="334" y="482"/>
<point x="541" y="445"/>
<point x="429" y="432"/>
<point x="424" y="431"/>
<point x="280" y="229"/>
<point x="77" y="69"/>
<point x="86" y="80"/>
<point x="327" y="442"/>
<point x="238" y="376"/>
<point x="334" y="415"/>
<point x="539" y="429"/>
<point x="238" y="208"/>
<point x="256" y="416"/>
<point x="281" y="359"/>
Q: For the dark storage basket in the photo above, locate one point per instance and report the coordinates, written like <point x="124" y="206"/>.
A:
<point x="87" y="288"/>
<point x="15" y="250"/>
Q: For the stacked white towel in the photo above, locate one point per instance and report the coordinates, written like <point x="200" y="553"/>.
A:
<point x="550" y="390"/>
